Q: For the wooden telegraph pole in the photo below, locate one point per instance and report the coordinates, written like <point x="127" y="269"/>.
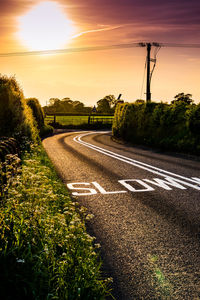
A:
<point x="148" y="91"/>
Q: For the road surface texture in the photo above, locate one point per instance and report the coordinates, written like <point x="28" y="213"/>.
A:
<point x="146" y="208"/>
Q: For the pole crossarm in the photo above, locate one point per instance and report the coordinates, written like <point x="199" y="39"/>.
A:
<point x="175" y="45"/>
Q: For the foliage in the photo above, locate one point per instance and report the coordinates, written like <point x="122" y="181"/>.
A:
<point x="9" y="149"/>
<point x="38" y="114"/>
<point x="15" y="116"/>
<point x="8" y="169"/>
<point x="66" y="105"/>
<point x="103" y="106"/>
<point x="8" y="146"/>
<point x="194" y="119"/>
<point x="181" y="97"/>
<point x="45" y="252"/>
<point x="107" y="104"/>
<point x="174" y="127"/>
<point x="46" y="130"/>
<point x="139" y="101"/>
<point x="37" y="110"/>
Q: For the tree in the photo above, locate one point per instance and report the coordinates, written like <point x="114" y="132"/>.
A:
<point x="103" y="106"/>
<point x="193" y="116"/>
<point x="107" y="104"/>
<point x="183" y="98"/>
<point x="78" y="106"/>
<point x="66" y="105"/>
<point x="53" y="101"/>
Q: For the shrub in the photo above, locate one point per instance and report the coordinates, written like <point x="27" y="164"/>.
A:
<point x="15" y="116"/>
<point x="46" y="130"/>
<point x="174" y="127"/>
<point x="9" y="167"/>
<point x="193" y="117"/>
<point x="37" y="110"/>
<point x="38" y="114"/>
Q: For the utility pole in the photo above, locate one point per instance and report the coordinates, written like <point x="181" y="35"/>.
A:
<point x="148" y="91"/>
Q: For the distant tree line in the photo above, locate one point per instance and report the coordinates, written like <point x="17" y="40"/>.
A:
<point x="66" y="105"/>
<point x="105" y="105"/>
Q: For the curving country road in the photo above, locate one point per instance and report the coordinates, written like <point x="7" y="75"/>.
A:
<point x="147" y="212"/>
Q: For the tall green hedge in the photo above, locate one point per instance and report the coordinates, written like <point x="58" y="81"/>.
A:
<point x="173" y="126"/>
<point x="38" y="115"/>
<point x="37" y="110"/>
<point x="16" y="117"/>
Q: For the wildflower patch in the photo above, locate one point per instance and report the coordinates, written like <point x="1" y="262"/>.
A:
<point x="45" y="251"/>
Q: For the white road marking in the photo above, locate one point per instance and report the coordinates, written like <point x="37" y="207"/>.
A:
<point x="165" y="183"/>
<point x="147" y="188"/>
<point x="168" y="175"/>
<point x="89" y="192"/>
<point x="103" y="191"/>
<point x="140" y="186"/>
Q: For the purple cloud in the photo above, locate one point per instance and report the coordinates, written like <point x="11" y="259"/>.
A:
<point x="166" y="21"/>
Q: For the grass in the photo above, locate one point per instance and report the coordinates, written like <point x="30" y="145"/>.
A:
<point x="78" y="120"/>
<point x="45" y="251"/>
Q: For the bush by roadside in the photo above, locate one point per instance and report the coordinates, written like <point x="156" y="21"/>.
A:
<point x="16" y="117"/>
<point x="167" y="126"/>
<point x="38" y="114"/>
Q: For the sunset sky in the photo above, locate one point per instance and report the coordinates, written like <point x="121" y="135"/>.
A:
<point x="28" y="25"/>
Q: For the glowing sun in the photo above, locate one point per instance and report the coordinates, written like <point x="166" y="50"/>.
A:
<point x="45" y="27"/>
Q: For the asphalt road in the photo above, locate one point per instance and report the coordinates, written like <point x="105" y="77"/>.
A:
<point x="146" y="208"/>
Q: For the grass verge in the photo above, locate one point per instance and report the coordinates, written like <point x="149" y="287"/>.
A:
<point x="45" y="251"/>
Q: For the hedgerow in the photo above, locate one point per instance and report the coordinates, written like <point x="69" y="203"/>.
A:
<point x="45" y="252"/>
<point x="16" y="117"/>
<point x="38" y="114"/>
<point x="173" y="126"/>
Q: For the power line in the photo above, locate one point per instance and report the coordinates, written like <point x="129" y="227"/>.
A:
<point x="147" y="45"/>
<point x="71" y="50"/>
<point x="143" y="79"/>
<point x="154" y="60"/>
<point x="179" y="45"/>
<point x="97" y="48"/>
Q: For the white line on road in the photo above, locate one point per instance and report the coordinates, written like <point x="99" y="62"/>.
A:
<point x="141" y="165"/>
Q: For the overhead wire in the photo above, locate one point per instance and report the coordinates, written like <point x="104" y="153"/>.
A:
<point x="145" y="65"/>
<point x="156" y="50"/>
<point x="70" y="50"/>
<point x="96" y="48"/>
<point x="179" y="45"/>
<point x="157" y="46"/>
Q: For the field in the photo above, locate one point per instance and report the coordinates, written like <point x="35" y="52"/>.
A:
<point x="78" y="120"/>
